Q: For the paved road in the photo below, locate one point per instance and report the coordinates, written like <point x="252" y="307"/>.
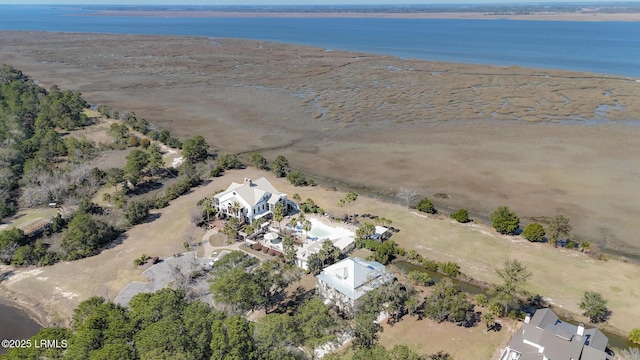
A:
<point x="173" y="268"/>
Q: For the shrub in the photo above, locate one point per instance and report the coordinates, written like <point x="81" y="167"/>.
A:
<point x="420" y="278"/>
<point x="229" y="161"/>
<point x="634" y="336"/>
<point x="430" y="265"/>
<point x="141" y="260"/>
<point x="481" y="299"/>
<point x="136" y="211"/>
<point x="534" y="232"/>
<point x="505" y="221"/>
<point x="297" y="178"/>
<point x="217" y="171"/>
<point x="516" y="314"/>
<point x="425" y="205"/>
<point x="461" y="216"/>
<point x="450" y="269"/>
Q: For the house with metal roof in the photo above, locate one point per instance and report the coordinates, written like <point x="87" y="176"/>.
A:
<point x="546" y="337"/>
<point x="250" y="200"/>
<point x="346" y="281"/>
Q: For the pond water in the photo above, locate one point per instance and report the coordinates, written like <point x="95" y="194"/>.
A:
<point x="15" y="323"/>
<point x="406" y="267"/>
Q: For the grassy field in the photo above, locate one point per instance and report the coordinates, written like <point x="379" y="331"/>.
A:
<point x="560" y="275"/>
<point x="427" y="337"/>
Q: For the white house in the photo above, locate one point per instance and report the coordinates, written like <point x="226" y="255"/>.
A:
<point x="250" y="200"/>
<point x="545" y="337"/>
<point x="344" y="282"/>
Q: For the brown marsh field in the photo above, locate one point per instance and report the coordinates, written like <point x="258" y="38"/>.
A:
<point x="541" y="142"/>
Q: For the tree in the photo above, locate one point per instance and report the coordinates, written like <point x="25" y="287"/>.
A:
<point x="558" y="228"/>
<point x="276" y="331"/>
<point x="231" y="229"/>
<point x="314" y="264"/>
<point x="426" y="205"/>
<point x="190" y="174"/>
<point x="136" y="211"/>
<point x="365" y="330"/>
<point x="278" y="213"/>
<point x="385" y="252"/>
<point x="595" y="307"/>
<point x="237" y="288"/>
<point x="365" y="231"/>
<point x="289" y="249"/>
<point x="85" y="236"/>
<point x="634" y="336"/>
<point x="296" y="197"/>
<point x="317" y="326"/>
<point x="461" y="216"/>
<point x="258" y="161"/>
<point x="505" y="221"/>
<point x="489" y="320"/>
<point x="229" y="161"/>
<point x="407" y="196"/>
<point x="347" y="200"/>
<point x="306" y="226"/>
<point x="297" y="178"/>
<point x="328" y="254"/>
<point x="447" y="303"/>
<point x="195" y="149"/>
<point x="514" y="277"/>
<point x="137" y="160"/>
<point x="420" y="278"/>
<point x="155" y="160"/>
<point x="534" y="232"/>
<point x="115" y="176"/>
<point x="280" y="166"/>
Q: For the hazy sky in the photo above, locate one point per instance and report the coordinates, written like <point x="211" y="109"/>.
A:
<point x="272" y="2"/>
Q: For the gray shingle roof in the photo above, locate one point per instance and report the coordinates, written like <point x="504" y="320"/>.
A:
<point x="558" y="340"/>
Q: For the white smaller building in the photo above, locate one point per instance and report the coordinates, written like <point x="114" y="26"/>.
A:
<point x="346" y="281"/>
<point x="250" y="200"/>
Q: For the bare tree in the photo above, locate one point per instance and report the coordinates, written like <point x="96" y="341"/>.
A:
<point x="196" y="217"/>
<point x="407" y="196"/>
<point x="179" y="280"/>
<point x="189" y="236"/>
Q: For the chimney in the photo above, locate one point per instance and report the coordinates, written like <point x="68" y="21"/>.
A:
<point x="527" y="319"/>
<point x="580" y="331"/>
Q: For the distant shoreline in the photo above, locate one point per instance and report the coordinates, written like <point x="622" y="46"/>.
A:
<point x="538" y="16"/>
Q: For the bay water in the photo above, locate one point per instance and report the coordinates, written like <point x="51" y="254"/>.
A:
<point x="604" y="47"/>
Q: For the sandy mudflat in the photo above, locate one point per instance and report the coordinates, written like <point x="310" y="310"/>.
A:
<point x="544" y="16"/>
<point x="484" y="135"/>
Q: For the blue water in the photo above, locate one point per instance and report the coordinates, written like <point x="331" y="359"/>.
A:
<point x="599" y="47"/>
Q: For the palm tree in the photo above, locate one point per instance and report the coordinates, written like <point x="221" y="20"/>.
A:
<point x="306" y="226"/>
<point x="297" y="199"/>
<point x="235" y="209"/>
<point x="278" y="213"/>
